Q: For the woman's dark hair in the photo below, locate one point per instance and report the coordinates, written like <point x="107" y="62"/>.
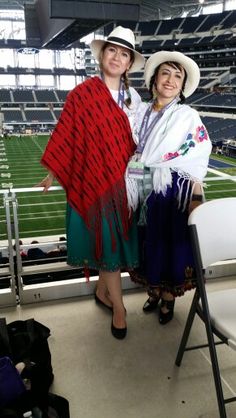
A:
<point x="124" y="76"/>
<point x="172" y="64"/>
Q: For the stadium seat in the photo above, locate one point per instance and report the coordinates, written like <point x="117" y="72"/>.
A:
<point x="214" y="239"/>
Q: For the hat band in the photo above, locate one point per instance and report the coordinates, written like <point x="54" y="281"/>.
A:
<point x="121" y="41"/>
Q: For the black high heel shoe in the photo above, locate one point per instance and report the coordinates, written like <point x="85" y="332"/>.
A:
<point x="119" y="333"/>
<point x="151" y="304"/>
<point x="164" y="318"/>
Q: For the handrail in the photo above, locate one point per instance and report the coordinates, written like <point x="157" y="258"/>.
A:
<point x="56" y="188"/>
<point x="34" y="189"/>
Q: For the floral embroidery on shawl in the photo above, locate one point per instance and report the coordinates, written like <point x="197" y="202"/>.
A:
<point x="192" y="139"/>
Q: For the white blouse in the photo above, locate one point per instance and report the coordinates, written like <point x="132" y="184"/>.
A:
<point x="135" y="102"/>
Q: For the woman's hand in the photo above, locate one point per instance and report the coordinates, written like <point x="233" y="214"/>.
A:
<point x="193" y="205"/>
<point x="196" y="197"/>
<point x="46" y="182"/>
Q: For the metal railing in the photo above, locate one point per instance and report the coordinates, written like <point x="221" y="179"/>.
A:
<point x="16" y="272"/>
<point x="37" y="280"/>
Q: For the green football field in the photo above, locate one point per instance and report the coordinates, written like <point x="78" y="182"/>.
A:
<point x="42" y="214"/>
<point x="39" y="214"/>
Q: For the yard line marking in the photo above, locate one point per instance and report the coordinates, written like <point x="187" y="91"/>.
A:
<point x="32" y="166"/>
<point x="218" y="183"/>
<point x="16" y="160"/>
<point x="40" y="213"/>
<point x="219" y="173"/>
<point x="37" y="145"/>
<point x="50" y="212"/>
<point x="34" y="231"/>
<point x="220" y="191"/>
<point x="42" y="204"/>
<point x="29" y="195"/>
<point x="39" y="217"/>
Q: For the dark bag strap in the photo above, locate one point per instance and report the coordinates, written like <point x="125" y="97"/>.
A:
<point x="37" y="329"/>
<point x="4" y="338"/>
<point x="30" y="329"/>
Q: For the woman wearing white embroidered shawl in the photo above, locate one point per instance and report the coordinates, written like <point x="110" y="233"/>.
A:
<point x="166" y="176"/>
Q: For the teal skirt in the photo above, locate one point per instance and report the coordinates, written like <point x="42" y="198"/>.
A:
<point x="81" y="245"/>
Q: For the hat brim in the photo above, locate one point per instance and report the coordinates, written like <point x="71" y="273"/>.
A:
<point x="97" y="44"/>
<point x="190" y="66"/>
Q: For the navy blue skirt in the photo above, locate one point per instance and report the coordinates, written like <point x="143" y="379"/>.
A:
<point x="165" y="246"/>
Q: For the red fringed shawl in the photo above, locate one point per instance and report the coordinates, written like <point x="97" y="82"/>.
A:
<point x="88" y="152"/>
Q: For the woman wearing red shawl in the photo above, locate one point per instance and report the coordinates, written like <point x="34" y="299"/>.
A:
<point x="87" y="153"/>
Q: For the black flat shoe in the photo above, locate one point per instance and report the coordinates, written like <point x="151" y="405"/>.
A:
<point x="101" y="303"/>
<point x="151" y="304"/>
<point x="164" y="318"/>
<point x="119" y="333"/>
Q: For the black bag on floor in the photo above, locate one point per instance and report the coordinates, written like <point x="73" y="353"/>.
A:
<point x="57" y="407"/>
<point x="27" y="342"/>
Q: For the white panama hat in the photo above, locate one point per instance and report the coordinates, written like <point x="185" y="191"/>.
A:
<point x="123" y="37"/>
<point x="190" y="66"/>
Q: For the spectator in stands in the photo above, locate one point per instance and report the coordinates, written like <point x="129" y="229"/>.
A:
<point x="166" y="174"/>
<point x="60" y="250"/>
<point x="23" y="253"/>
<point x="62" y="246"/>
<point x="35" y="253"/>
<point x="88" y="153"/>
<point x="3" y="259"/>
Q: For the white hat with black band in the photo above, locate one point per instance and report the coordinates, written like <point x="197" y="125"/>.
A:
<point x="123" y="37"/>
<point x="190" y="66"/>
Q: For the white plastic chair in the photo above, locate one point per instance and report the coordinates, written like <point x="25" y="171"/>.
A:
<point x="213" y="232"/>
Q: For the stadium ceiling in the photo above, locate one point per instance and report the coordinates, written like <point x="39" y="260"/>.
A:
<point x="59" y="24"/>
<point x="149" y="9"/>
<point x="162" y="9"/>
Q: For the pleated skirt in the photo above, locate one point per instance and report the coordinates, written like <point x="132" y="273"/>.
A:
<point x="166" y="258"/>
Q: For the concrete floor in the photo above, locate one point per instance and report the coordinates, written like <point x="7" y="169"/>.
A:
<point x="134" y="378"/>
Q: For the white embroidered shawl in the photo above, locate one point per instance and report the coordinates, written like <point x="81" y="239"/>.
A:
<point x="179" y="141"/>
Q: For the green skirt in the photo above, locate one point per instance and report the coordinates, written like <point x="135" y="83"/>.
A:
<point x="81" y="245"/>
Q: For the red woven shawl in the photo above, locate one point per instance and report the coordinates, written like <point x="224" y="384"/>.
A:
<point x="88" y="152"/>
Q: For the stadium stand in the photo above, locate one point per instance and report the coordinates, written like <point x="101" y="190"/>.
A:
<point x="200" y="36"/>
<point x="22" y="96"/>
<point x="61" y="94"/>
<point x="81" y="350"/>
<point x="5" y="96"/>
<point x="45" y="96"/>
<point x="39" y="116"/>
<point x="12" y="116"/>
